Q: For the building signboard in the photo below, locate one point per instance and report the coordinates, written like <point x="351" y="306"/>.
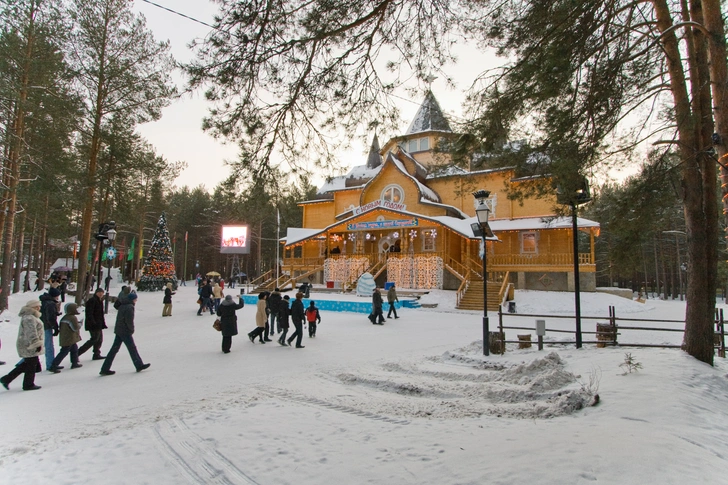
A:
<point x="375" y="204"/>
<point x="363" y="226"/>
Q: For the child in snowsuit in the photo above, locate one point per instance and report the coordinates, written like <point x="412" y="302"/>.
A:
<point x="70" y="336"/>
<point x="312" y="317"/>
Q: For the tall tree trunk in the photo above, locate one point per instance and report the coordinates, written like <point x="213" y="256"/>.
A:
<point x="31" y="256"/>
<point x="84" y="275"/>
<point x="698" y="340"/>
<point x="14" y="159"/>
<point x="19" y="253"/>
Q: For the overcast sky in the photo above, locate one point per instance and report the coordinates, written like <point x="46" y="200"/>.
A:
<point x="178" y="135"/>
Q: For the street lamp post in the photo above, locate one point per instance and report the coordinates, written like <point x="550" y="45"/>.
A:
<point x="110" y="253"/>
<point x="482" y="229"/>
<point x="574" y="197"/>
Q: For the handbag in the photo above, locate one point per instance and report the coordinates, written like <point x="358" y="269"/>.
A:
<point x="199" y="301"/>
<point x="217" y="326"/>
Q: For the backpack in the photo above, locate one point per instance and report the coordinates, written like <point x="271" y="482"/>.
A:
<point x="311" y="314"/>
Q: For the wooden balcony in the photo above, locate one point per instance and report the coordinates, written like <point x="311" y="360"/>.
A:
<point x="539" y="262"/>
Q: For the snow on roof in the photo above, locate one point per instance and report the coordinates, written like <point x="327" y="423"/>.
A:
<point x="334" y="183"/>
<point x="446" y="171"/>
<point x="357" y="172"/>
<point x="362" y="171"/>
<point x="424" y="190"/>
<point x="429" y="117"/>
<point x="532" y="223"/>
<point x="297" y="234"/>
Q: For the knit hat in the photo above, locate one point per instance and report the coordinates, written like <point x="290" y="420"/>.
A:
<point x="33" y="304"/>
<point x="132" y="296"/>
<point x="286" y="297"/>
<point x="54" y="292"/>
<point x="71" y="309"/>
<point x="228" y="297"/>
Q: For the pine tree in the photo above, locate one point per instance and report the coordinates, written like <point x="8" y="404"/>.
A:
<point x="159" y="264"/>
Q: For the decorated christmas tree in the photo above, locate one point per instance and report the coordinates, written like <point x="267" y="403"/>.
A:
<point x="158" y="267"/>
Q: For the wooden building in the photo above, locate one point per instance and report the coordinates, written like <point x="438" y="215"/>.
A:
<point x="405" y="216"/>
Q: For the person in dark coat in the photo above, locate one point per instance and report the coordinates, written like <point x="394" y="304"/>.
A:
<point x="283" y="314"/>
<point x="49" y="315"/>
<point x="124" y="330"/>
<point x="63" y="287"/>
<point x="125" y="290"/>
<point x="297" y="315"/>
<point x="95" y="324"/>
<point x="229" y="320"/>
<point x="206" y="297"/>
<point x="377" y="316"/>
<point x="274" y="304"/>
<point x="167" y="301"/>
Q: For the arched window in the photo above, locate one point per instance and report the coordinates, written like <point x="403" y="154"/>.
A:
<point x="393" y="193"/>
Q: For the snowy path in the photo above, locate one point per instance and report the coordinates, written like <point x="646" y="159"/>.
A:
<point x="413" y="402"/>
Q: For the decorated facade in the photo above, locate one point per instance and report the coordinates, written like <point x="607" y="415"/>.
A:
<point x="405" y="216"/>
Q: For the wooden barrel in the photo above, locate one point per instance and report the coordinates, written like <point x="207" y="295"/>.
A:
<point x="496" y="346"/>
<point x="524" y="341"/>
<point x="606" y="333"/>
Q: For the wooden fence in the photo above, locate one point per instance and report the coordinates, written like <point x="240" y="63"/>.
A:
<point x="610" y="333"/>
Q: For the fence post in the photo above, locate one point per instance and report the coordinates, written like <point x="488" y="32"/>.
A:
<point x="540" y="332"/>
<point x="613" y="321"/>
<point x="721" y="352"/>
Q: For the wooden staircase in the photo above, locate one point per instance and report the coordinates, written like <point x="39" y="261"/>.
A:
<point x="473" y="297"/>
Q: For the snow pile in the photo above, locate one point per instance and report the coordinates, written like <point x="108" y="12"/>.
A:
<point x="449" y="388"/>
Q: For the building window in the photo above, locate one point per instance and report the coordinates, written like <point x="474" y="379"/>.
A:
<point x="424" y="144"/>
<point x="393" y="193"/>
<point x="429" y="240"/>
<point x="297" y="251"/>
<point x="529" y="243"/>
<point x="413" y="146"/>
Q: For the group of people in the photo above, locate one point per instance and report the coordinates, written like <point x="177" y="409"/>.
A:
<point x="273" y="313"/>
<point x="39" y="325"/>
<point x="210" y="295"/>
<point x="377" y="315"/>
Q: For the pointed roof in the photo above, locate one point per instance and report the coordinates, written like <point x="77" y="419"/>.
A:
<point x="374" y="159"/>
<point x="429" y="117"/>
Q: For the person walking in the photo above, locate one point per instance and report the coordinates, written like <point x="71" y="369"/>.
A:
<point x="391" y="298"/>
<point x="377" y="316"/>
<point x="268" y="329"/>
<point x="283" y="313"/>
<point x="205" y="296"/>
<point x="312" y="317"/>
<point x="123" y="294"/>
<point x="274" y="304"/>
<point x="95" y="324"/>
<point x="49" y="315"/>
<point x="124" y="330"/>
<point x="229" y="320"/>
<point x="167" y="300"/>
<point x="260" y="319"/>
<point x="70" y="336"/>
<point x="29" y="345"/>
<point x="217" y="296"/>
<point x="297" y="315"/>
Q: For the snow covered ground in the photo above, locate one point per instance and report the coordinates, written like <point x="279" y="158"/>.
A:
<point x="412" y="401"/>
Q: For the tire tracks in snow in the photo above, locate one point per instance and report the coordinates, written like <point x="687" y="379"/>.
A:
<point x="281" y="394"/>
<point x="194" y="458"/>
